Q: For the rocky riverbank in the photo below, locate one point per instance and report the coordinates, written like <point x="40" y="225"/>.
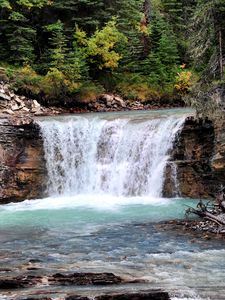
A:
<point x="196" y="229"/>
<point x="14" y="104"/>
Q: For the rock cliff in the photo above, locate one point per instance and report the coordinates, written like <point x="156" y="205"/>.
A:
<point x="22" y="167"/>
<point x="192" y="156"/>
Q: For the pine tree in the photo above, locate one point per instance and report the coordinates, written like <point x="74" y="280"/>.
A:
<point x="208" y="36"/>
<point x="161" y="64"/>
<point x="129" y="17"/>
<point x="18" y="31"/>
<point x="18" y="37"/>
<point x="57" y="45"/>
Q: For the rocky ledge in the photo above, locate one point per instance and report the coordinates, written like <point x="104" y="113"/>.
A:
<point x="80" y="279"/>
<point x="9" y="285"/>
<point x="197" y="230"/>
<point x="149" y="295"/>
<point x="191" y="163"/>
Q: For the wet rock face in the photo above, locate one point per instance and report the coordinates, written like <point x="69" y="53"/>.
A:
<point x="22" y="166"/>
<point x="192" y="156"/>
<point x="218" y="160"/>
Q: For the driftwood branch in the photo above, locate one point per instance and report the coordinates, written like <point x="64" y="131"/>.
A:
<point x="213" y="212"/>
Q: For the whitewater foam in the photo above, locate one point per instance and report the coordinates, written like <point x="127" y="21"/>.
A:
<point x="98" y="202"/>
<point x="120" y="157"/>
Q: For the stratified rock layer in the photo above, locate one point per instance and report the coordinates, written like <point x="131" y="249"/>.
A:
<point x="192" y="155"/>
<point x="22" y="165"/>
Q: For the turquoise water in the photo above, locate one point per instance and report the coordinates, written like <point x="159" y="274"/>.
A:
<point x="93" y="210"/>
<point x="107" y="230"/>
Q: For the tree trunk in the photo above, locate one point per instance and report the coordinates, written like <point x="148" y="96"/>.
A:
<point x="221" y="55"/>
<point x="145" y="22"/>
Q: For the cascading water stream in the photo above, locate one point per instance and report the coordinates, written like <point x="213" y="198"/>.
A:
<point x="119" y="157"/>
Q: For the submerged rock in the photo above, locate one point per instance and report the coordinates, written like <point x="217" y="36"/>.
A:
<point x="85" y="279"/>
<point x="78" y="279"/>
<point x="149" y="295"/>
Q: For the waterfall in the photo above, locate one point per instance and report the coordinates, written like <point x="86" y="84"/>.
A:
<point x="174" y="179"/>
<point x="120" y="157"/>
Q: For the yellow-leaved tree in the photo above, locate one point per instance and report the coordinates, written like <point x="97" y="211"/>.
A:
<point x="102" y="47"/>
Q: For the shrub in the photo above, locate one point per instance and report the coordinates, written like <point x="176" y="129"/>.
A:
<point x="183" y="82"/>
<point x="89" y="92"/>
<point x="136" y="87"/>
<point x="53" y="83"/>
<point x="26" y="79"/>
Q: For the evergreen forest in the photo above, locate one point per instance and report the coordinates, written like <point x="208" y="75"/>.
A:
<point x="140" y="49"/>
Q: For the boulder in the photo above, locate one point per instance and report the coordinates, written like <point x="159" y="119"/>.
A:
<point x="15" y="107"/>
<point x="107" y="99"/>
<point x="119" y="101"/>
<point x="8" y="111"/>
<point x="19" y="101"/>
<point x="112" y="100"/>
<point x="35" y="104"/>
<point x="85" y="279"/>
<point x="4" y="96"/>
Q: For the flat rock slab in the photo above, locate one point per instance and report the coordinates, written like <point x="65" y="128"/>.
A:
<point x="85" y="279"/>
<point x="78" y="279"/>
<point x="149" y="295"/>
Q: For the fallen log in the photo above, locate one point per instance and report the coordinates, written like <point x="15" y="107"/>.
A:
<point x="211" y="212"/>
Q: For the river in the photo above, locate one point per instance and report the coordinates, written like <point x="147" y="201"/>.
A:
<point x="105" y="187"/>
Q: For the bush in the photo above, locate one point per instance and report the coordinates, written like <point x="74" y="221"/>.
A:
<point x="183" y="82"/>
<point x="53" y="84"/>
<point x="135" y="87"/>
<point x="26" y="79"/>
<point x="89" y="92"/>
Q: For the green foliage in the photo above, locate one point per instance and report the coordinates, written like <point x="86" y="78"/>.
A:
<point x="183" y="82"/>
<point x="100" y="47"/>
<point x="5" y="4"/>
<point x="54" y="83"/>
<point x="208" y="36"/>
<point x="89" y="92"/>
<point x="58" y="45"/>
<point x="26" y="79"/>
<point x="135" y="87"/>
<point x="134" y="47"/>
